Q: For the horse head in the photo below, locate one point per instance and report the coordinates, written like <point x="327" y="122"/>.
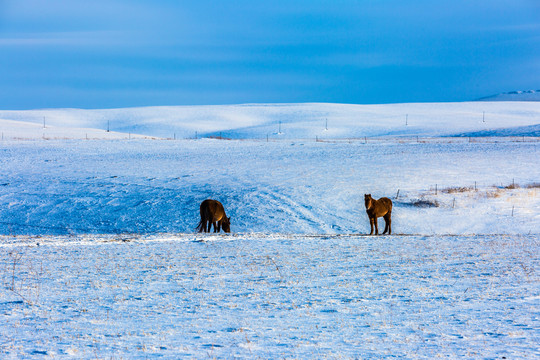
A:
<point x="226" y="224"/>
<point x="368" y="200"/>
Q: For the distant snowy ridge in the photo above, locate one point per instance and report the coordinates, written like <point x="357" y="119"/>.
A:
<point x="21" y="130"/>
<point x="259" y="121"/>
<point x="532" y="130"/>
<point x="526" y="95"/>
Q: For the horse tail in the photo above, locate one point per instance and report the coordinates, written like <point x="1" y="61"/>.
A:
<point x="200" y="226"/>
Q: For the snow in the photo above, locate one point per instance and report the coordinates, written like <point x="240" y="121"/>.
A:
<point x="274" y="297"/>
<point x="278" y="121"/>
<point x="99" y="257"/>
<point x="21" y="130"/>
<point x="522" y="95"/>
<point x="146" y="186"/>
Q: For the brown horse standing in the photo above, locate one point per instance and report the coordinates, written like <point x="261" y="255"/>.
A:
<point x="378" y="208"/>
<point x="213" y="213"/>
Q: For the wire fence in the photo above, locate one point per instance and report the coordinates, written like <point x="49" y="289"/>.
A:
<point x="272" y="137"/>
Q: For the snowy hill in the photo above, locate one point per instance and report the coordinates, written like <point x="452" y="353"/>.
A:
<point x="289" y="186"/>
<point x="23" y="130"/>
<point x="532" y="130"/>
<point x="527" y="95"/>
<point x="258" y="121"/>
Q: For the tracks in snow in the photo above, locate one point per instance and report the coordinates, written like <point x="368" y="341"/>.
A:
<point x="296" y="212"/>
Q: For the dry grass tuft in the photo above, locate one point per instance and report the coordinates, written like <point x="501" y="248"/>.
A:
<point x="493" y="194"/>
<point x="425" y="203"/>
<point x="453" y="190"/>
<point x="511" y="186"/>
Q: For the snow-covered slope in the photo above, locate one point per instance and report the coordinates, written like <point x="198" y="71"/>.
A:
<point x="23" y="130"/>
<point x="527" y="95"/>
<point x="292" y="121"/>
<point x="148" y="186"/>
<point x="532" y="130"/>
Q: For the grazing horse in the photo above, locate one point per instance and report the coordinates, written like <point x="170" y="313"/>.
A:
<point x="213" y="213"/>
<point x="378" y="208"/>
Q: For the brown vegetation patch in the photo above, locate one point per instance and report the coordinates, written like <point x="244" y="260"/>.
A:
<point x="425" y="203"/>
<point x="457" y="189"/>
<point x="512" y="186"/>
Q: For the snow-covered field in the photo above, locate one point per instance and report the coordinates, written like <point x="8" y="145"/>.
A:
<point x="271" y="297"/>
<point x="148" y="186"/>
<point x="277" y="121"/>
<point x="99" y="258"/>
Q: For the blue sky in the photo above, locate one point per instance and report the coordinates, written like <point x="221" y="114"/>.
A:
<point x="120" y="53"/>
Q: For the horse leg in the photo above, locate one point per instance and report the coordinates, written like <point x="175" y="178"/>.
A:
<point x="371" y="224"/>
<point x="218" y="226"/>
<point x="388" y="221"/>
<point x="376" y="225"/>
